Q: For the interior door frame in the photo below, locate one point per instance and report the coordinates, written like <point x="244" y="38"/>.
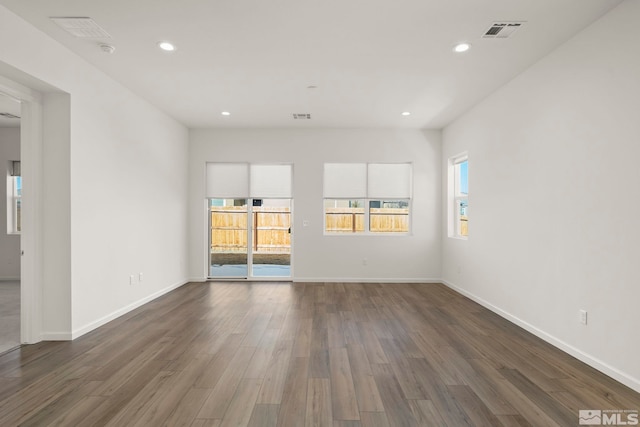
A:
<point x="31" y="259"/>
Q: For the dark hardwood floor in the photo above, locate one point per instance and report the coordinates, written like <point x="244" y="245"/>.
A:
<point x="302" y="355"/>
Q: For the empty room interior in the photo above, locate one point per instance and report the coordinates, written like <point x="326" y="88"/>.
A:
<point x="330" y="213"/>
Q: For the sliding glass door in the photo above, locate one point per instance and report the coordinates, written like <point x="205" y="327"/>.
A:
<point x="271" y="238"/>
<point x="229" y="254"/>
<point x="250" y="238"/>
<point x="249" y="209"/>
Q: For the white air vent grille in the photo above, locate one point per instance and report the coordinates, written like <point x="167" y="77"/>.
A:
<point x="9" y="116"/>
<point x="82" y="27"/>
<point x="302" y="116"/>
<point x="502" y="30"/>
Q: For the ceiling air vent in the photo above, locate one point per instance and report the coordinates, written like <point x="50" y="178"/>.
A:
<point x="303" y="116"/>
<point x="502" y="30"/>
<point x="82" y="27"/>
<point x="9" y="116"/>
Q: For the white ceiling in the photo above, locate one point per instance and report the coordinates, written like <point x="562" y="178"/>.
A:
<point x="370" y="59"/>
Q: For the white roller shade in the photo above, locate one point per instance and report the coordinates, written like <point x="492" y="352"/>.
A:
<point x="271" y="181"/>
<point x="227" y="180"/>
<point x="345" y="180"/>
<point x="390" y="181"/>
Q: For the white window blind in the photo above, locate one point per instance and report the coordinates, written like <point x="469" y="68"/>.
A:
<point x="345" y="180"/>
<point x="227" y="180"/>
<point x="389" y="180"/>
<point x="242" y="180"/>
<point x="270" y="181"/>
<point x="362" y="180"/>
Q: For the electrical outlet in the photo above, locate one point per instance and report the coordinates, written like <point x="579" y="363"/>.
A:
<point x="132" y="279"/>
<point x="583" y="317"/>
<point x="364" y="261"/>
<point x="140" y="277"/>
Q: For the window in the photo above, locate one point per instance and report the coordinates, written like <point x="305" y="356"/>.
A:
<point x="389" y="216"/>
<point x="14" y="198"/>
<point x="367" y="198"/>
<point x="459" y="196"/>
<point x="344" y="216"/>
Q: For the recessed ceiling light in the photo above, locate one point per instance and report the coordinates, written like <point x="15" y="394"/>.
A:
<point x="226" y="113"/>
<point x="406" y="113"/>
<point x="166" y="46"/>
<point x="312" y="87"/>
<point x="461" y="47"/>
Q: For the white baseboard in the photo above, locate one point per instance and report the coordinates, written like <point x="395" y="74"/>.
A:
<point x="363" y="280"/>
<point x="594" y="362"/>
<point x="106" y="319"/>
<point x="56" y="336"/>
<point x="323" y="279"/>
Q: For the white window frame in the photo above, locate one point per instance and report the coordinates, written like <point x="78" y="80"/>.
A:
<point x="367" y="199"/>
<point x="456" y="197"/>
<point x="13" y="200"/>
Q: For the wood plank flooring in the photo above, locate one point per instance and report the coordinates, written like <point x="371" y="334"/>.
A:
<point x="303" y="355"/>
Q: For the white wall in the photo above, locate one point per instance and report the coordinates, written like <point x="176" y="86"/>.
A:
<point x="114" y="191"/>
<point x="330" y="258"/>
<point x="553" y="197"/>
<point x="55" y="216"/>
<point x="9" y="243"/>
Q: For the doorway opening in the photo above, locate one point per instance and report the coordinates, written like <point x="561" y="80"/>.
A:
<point x="250" y="238"/>
<point x="10" y="209"/>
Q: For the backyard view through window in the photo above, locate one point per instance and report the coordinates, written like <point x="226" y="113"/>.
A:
<point x="461" y="197"/>
<point x="14" y="202"/>
<point x="389" y="216"/>
<point x="350" y="216"/>
<point x="344" y="216"/>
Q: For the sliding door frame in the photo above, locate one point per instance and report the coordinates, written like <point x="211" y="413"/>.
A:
<point x="250" y="231"/>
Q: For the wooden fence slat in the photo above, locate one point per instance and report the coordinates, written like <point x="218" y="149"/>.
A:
<point x="270" y="224"/>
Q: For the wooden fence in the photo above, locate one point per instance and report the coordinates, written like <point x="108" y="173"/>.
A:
<point x="351" y="220"/>
<point x="270" y="225"/>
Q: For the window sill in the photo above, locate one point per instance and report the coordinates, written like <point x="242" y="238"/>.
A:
<point x="368" y="234"/>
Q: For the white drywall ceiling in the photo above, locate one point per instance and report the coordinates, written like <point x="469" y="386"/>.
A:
<point x="370" y="60"/>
